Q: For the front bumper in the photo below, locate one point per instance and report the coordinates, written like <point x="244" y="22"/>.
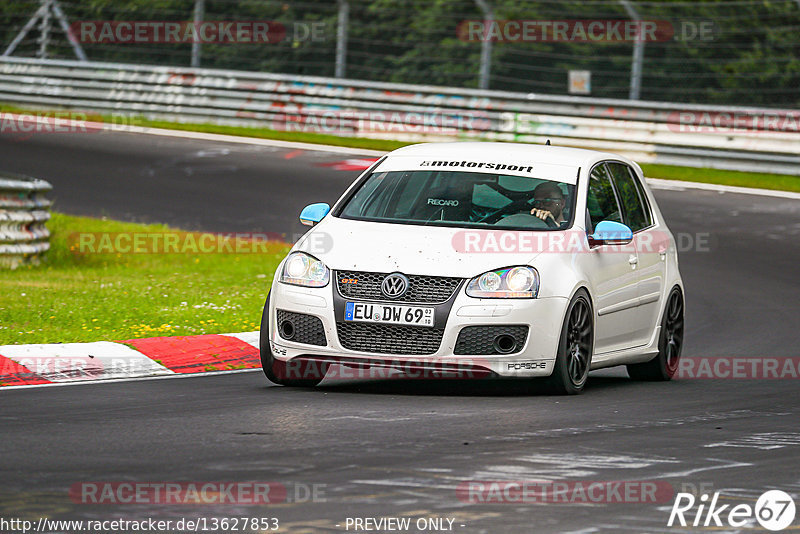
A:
<point x="543" y="317"/>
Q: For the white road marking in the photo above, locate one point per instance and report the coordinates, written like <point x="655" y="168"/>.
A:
<point x="722" y="464"/>
<point x="251" y="338"/>
<point x="253" y="141"/>
<point x="677" y="185"/>
<point x="544" y="466"/>
<point x="654" y="182"/>
<point x="186" y="134"/>
<point x="764" y="441"/>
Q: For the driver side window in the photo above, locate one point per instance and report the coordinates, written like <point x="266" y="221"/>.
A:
<point x="601" y="202"/>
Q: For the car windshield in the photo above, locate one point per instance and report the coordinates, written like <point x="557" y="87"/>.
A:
<point x="462" y="199"/>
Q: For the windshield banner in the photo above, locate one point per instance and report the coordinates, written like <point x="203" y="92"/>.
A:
<point x="511" y="167"/>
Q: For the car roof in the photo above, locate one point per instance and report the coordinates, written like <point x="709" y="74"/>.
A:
<point x="546" y="154"/>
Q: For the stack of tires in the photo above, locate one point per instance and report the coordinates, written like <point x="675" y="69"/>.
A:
<point x="24" y="210"/>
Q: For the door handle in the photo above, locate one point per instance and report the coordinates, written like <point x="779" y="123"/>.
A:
<point x="633" y="260"/>
<point x="662" y="252"/>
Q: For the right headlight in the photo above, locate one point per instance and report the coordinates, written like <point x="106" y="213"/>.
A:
<point x="510" y="283"/>
<point x="301" y="269"/>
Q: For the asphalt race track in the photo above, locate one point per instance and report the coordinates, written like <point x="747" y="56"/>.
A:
<point x="193" y="185"/>
<point x="402" y="448"/>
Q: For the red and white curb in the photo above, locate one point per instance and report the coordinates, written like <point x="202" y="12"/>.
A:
<point x="29" y="365"/>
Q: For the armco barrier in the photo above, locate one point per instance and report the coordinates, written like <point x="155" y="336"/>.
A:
<point x="23" y="214"/>
<point x="759" y="140"/>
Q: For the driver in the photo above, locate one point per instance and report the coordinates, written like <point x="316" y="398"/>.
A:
<point x="548" y="202"/>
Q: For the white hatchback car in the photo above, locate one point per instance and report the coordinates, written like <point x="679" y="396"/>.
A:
<point x="500" y="259"/>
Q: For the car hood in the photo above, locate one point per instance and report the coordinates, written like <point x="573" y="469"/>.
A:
<point x="383" y="247"/>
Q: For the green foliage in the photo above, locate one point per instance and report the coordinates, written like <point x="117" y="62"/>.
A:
<point x="751" y="56"/>
<point x="74" y="296"/>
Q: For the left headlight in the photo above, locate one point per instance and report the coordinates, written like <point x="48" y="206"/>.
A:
<point x="300" y="269"/>
<point x="512" y="282"/>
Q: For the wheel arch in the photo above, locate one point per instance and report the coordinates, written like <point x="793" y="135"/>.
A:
<point x="668" y="289"/>
<point x="585" y="287"/>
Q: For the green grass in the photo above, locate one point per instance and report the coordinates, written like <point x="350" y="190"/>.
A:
<point x="385" y="145"/>
<point x="779" y="182"/>
<point x="74" y="297"/>
<point x="666" y="172"/>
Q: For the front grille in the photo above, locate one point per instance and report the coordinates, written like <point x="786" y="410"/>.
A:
<point x="480" y="339"/>
<point x="389" y="339"/>
<point x="421" y="289"/>
<point x="308" y="329"/>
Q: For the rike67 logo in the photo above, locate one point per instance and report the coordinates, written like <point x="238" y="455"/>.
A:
<point x="774" y="510"/>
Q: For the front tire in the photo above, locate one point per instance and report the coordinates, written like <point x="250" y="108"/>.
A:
<point x="575" y="347"/>
<point x="670" y="342"/>
<point x="277" y="370"/>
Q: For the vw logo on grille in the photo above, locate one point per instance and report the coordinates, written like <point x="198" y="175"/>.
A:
<point x="394" y="286"/>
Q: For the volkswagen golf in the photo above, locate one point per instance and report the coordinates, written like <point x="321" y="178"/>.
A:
<point x="481" y="259"/>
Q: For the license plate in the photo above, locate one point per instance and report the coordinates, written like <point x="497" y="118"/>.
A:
<point x="388" y="313"/>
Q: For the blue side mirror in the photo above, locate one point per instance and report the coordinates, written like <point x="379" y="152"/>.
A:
<point x="313" y="213"/>
<point x="611" y="233"/>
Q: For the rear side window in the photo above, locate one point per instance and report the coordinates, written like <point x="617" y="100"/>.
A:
<point x="635" y="212"/>
<point x="601" y="203"/>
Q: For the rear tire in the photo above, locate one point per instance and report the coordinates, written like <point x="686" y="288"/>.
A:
<point x="277" y="371"/>
<point x="575" y="347"/>
<point x="670" y="342"/>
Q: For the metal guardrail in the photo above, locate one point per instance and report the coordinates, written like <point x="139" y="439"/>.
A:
<point x="750" y="139"/>
<point x="24" y="210"/>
